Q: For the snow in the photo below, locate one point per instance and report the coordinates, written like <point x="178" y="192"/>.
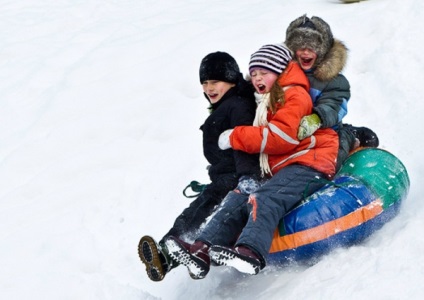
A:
<point x="100" y="105"/>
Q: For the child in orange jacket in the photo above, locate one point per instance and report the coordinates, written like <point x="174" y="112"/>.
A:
<point x="241" y="231"/>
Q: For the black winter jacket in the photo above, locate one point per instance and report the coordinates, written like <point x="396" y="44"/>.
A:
<point x="236" y="107"/>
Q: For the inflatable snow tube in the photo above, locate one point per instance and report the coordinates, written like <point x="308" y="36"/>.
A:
<point x="365" y="194"/>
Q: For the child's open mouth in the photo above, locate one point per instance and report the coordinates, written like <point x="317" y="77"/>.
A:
<point x="261" y="88"/>
<point x="212" y="96"/>
<point x="306" y="62"/>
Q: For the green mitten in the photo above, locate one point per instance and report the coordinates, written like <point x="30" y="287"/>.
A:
<point x="308" y="125"/>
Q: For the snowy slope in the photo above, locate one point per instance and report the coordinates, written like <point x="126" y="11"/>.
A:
<point x="100" y="105"/>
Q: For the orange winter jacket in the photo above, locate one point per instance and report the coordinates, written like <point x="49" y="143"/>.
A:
<point x="279" y="138"/>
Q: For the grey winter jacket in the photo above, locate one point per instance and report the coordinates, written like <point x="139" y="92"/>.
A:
<point x="330" y="90"/>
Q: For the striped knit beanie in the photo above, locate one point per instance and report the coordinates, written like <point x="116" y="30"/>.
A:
<point x="273" y="58"/>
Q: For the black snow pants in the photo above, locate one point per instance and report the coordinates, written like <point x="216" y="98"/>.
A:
<point x="190" y="220"/>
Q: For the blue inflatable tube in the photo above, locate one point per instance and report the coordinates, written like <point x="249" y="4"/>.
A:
<point x="365" y="194"/>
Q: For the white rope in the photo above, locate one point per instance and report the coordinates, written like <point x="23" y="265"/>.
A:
<point x="262" y="100"/>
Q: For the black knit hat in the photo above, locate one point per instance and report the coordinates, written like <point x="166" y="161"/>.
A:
<point x="313" y="33"/>
<point x="219" y="66"/>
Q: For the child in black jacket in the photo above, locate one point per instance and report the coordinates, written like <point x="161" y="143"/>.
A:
<point x="232" y="103"/>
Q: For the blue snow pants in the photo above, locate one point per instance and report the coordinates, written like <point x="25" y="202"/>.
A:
<point x="251" y="220"/>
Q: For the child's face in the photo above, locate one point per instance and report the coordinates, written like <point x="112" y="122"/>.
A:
<point x="306" y="58"/>
<point x="215" y="89"/>
<point x="263" y="80"/>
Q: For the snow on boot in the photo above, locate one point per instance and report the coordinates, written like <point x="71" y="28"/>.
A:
<point x="195" y="257"/>
<point x="157" y="262"/>
<point x="241" y="258"/>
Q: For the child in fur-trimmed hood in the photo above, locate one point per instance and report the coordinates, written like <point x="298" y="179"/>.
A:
<point x="323" y="57"/>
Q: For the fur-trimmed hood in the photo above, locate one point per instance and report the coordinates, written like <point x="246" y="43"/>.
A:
<point x="333" y="63"/>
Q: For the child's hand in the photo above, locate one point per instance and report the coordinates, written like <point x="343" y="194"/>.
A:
<point x="308" y="125"/>
<point x="224" y="140"/>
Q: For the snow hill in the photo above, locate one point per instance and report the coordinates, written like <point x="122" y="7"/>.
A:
<point x="100" y="108"/>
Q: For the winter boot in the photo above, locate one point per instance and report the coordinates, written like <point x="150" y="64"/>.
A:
<point x="242" y="258"/>
<point x="195" y="257"/>
<point x="366" y="137"/>
<point x="155" y="257"/>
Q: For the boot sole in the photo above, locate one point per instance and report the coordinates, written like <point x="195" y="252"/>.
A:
<point x="149" y="255"/>
<point x="196" y="267"/>
<point x="227" y="257"/>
